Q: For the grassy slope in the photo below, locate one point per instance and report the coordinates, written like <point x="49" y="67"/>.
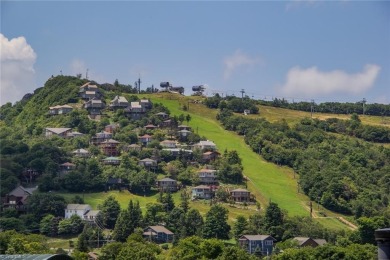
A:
<point x="267" y="181"/>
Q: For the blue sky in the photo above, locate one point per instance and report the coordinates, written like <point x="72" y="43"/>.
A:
<point x="299" y="50"/>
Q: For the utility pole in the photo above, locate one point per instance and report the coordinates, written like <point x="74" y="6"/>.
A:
<point x="242" y="93"/>
<point x="139" y="84"/>
<point x="86" y="74"/>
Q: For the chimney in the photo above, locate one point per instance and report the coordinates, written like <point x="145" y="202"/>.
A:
<point x="382" y="237"/>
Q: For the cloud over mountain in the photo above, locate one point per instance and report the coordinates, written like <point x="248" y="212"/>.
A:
<point x="17" y="68"/>
<point x="237" y="60"/>
<point x="312" y="82"/>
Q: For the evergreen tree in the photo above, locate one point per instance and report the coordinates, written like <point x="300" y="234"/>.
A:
<point x="184" y="203"/>
<point x="123" y="226"/>
<point x="240" y="226"/>
<point x="82" y="241"/>
<point x="216" y="225"/>
<point x="110" y="211"/>
<point x="194" y="223"/>
<point x="273" y="215"/>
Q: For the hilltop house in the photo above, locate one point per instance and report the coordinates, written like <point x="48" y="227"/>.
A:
<point x="88" y="91"/>
<point x="167" y="184"/>
<point x="145" y="104"/>
<point x="207" y="176"/>
<point x="240" y="195"/>
<point x="119" y="102"/>
<point x="158" y="234"/>
<point x="257" y="244"/>
<point x="17" y="199"/>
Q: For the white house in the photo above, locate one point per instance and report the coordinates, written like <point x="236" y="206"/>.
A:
<point x="205" y="145"/>
<point x="77" y="209"/>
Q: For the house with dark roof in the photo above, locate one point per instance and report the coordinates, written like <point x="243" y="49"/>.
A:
<point x="167" y="184"/>
<point x="150" y="127"/>
<point x="101" y="137"/>
<point x="66" y="168"/>
<point x="308" y="241"/>
<point x="94" y="106"/>
<point x="17" y="198"/>
<point x="257" y="244"/>
<point x="135" y="110"/>
<point x="210" y="156"/>
<point x="159" y="234"/>
<point x="240" y="195"/>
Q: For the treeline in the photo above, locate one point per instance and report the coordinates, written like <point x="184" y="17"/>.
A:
<point x="235" y="104"/>
<point x="374" y="109"/>
<point x="343" y="174"/>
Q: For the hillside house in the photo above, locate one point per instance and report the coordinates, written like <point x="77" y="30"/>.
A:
<point x="205" y="146"/>
<point x="145" y="139"/>
<point x="110" y="147"/>
<point x="94" y="106"/>
<point x="208" y="176"/>
<point x="150" y="127"/>
<point x="148" y="163"/>
<point x="166" y="123"/>
<point x="77" y="209"/>
<point x="61" y="132"/>
<point x="111" y="128"/>
<point x="240" y="195"/>
<point x="184" y="133"/>
<point x="133" y="147"/>
<point x="210" y="156"/>
<point x="159" y="234"/>
<point x="75" y="134"/>
<point x="67" y="167"/>
<point x="17" y="199"/>
<point x="257" y="244"/>
<point x="184" y="127"/>
<point x="168" y="144"/>
<point x="101" y="137"/>
<point x="90" y="216"/>
<point x="88" y="91"/>
<point x="114" y="183"/>
<point x="135" y="111"/>
<point x="111" y="161"/>
<point x="202" y="192"/>
<point x="145" y="104"/>
<point x="308" y="241"/>
<point x="175" y="152"/>
<point x="167" y="184"/>
<point x="119" y="102"/>
<point x="60" y="110"/>
<point x="162" y="115"/>
<point x="82" y="153"/>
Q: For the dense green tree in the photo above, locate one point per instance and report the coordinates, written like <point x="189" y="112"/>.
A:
<point x="240" y="226"/>
<point x="41" y="204"/>
<point x="194" y="223"/>
<point x="110" y="251"/>
<point x="273" y="215"/>
<point x="215" y="225"/>
<point x="110" y="210"/>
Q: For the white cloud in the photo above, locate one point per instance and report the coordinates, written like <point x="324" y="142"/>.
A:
<point x="237" y="60"/>
<point x="17" y="69"/>
<point x="312" y="82"/>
